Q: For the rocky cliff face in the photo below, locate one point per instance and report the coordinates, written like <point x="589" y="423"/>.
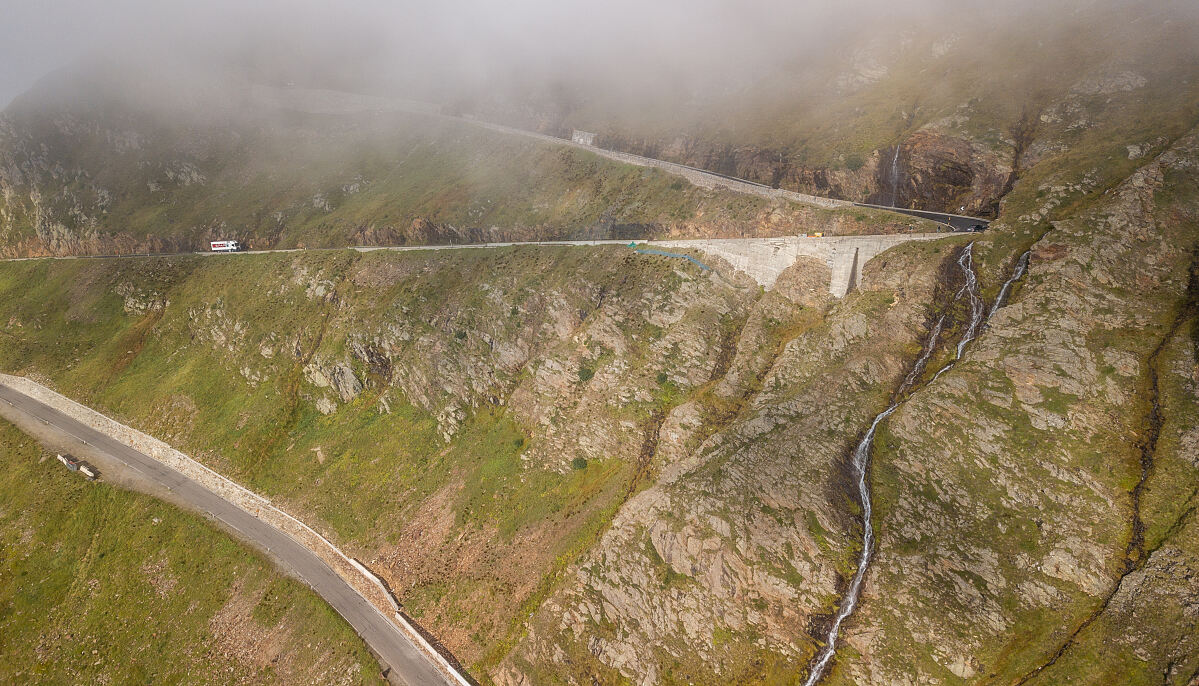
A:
<point x="718" y="571"/>
<point x="1057" y="394"/>
<point x="1040" y="491"/>
<point x="931" y="170"/>
<point x="935" y="170"/>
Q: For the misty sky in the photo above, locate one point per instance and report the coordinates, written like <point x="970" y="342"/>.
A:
<point x="473" y="37"/>
<point x="467" y="41"/>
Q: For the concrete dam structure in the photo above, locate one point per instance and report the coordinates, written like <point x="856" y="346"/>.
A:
<point x="763" y="259"/>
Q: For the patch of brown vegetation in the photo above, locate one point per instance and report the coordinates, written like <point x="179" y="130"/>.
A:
<point x="269" y="651"/>
<point x="491" y="575"/>
<point x="238" y="637"/>
<point x="175" y="419"/>
<point x="133" y="341"/>
<point x="81" y="295"/>
<point x="157" y="571"/>
<point x="427" y="529"/>
<point x="383" y="274"/>
<point x="1048" y="252"/>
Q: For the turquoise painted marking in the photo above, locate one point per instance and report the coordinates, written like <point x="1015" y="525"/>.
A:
<point x="663" y="253"/>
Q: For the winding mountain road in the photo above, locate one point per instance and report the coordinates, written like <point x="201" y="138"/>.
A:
<point x="407" y="664"/>
<point x="331" y="102"/>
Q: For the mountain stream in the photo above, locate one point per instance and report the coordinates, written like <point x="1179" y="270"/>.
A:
<point x="861" y="454"/>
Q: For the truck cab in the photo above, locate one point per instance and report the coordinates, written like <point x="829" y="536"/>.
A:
<point x="76" y="465"/>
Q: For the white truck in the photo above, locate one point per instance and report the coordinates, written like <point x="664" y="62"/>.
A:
<point x="80" y="466"/>
<point x="225" y="246"/>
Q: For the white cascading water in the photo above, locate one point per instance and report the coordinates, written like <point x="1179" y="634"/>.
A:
<point x="977" y="323"/>
<point x="966" y="262"/>
<point x="970" y="290"/>
<point x="861" y="454"/>
<point x="918" y="368"/>
<point x="895" y="176"/>
<point x="1021" y="266"/>
<point x="861" y="469"/>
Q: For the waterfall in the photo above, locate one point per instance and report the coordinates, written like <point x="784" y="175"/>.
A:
<point x="966" y="262"/>
<point x="977" y="322"/>
<point x="1021" y="266"/>
<point x="970" y="290"/>
<point x="861" y="470"/>
<point x="895" y="177"/>
<point x="918" y="368"/>
<point x="861" y="454"/>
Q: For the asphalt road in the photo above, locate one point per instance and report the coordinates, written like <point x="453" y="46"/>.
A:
<point x="957" y="222"/>
<point x="408" y="664"/>
<point x="359" y="248"/>
<point x="463" y="246"/>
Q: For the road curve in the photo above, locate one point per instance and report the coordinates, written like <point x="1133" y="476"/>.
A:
<point x="408" y="665"/>
<point x="957" y="222"/>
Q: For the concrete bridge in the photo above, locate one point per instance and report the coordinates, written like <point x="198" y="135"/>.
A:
<point x="764" y="259"/>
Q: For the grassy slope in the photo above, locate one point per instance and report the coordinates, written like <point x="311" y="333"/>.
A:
<point x="377" y="470"/>
<point x="1147" y="618"/>
<point x="100" y="585"/>
<point x="757" y="496"/>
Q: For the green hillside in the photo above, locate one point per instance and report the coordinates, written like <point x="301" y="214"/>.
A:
<point x="99" y="585"/>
